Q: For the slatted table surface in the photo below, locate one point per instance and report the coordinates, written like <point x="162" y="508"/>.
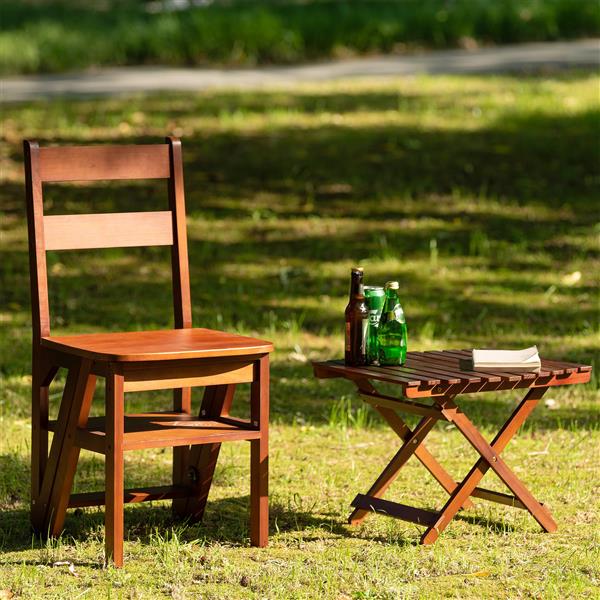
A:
<point x="436" y="373"/>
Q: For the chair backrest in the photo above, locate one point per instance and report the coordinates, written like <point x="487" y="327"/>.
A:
<point x="105" y="230"/>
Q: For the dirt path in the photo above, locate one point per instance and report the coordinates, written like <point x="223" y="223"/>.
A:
<point x="126" y="80"/>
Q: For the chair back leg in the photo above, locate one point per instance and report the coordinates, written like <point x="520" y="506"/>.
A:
<point x="182" y="403"/>
<point x="202" y="459"/>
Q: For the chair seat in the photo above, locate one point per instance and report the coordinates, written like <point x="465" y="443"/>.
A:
<point x="165" y="344"/>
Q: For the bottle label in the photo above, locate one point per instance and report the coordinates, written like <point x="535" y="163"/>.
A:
<point x="363" y="341"/>
<point x="374" y="317"/>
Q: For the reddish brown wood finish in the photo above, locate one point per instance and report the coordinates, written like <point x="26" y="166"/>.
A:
<point x="143" y="494"/>
<point x="113" y="484"/>
<point x="182" y="303"/>
<point x="431" y="374"/>
<point x="411" y="443"/>
<point x="132" y="361"/>
<point x="424" y="456"/>
<point x="160" y="430"/>
<point x="201" y="460"/>
<point x="167" y="344"/>
<point x="259" y="455"/>
<point x="108" y="230"/>
<point x="94" y="163"/>
<point x="440" y="376"/>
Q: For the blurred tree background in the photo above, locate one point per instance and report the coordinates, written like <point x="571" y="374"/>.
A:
<point x="61" y="35"/>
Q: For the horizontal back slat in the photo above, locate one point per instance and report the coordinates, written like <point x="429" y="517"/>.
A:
<point x="108" y="230"/>
<point x="93" y="163"/>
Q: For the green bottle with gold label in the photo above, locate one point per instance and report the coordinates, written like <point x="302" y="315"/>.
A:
<point x="392" y="332"/>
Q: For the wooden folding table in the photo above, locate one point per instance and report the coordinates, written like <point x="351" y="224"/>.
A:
<point x="429" y="383"/>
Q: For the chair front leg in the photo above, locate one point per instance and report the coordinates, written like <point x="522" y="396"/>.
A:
<point x="259" y="455"/>
<point x="41" y="379"/>
<point x="115" y="422"/>
<point x="49" y="508"/>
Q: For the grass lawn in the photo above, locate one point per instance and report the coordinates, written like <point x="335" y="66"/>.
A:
<point x="480" y="195"/>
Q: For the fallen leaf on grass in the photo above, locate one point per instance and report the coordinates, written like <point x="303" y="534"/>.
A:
<point x="539" y="452"/>
<point x="298" y="355"/>
<point x="5" y="594"/>
<point x="571" y="278"/>
<point x="61" y="563"/>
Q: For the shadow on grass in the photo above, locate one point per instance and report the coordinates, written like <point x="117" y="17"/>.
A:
<point x="512" y="199"/>
<point x="226" y="521"/>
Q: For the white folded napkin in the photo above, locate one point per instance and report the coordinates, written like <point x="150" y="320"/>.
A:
<point x="528" y="359"/>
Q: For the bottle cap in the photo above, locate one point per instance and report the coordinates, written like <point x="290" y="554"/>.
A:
<point x="359" y="269"/>
<point x="392" y="285"/>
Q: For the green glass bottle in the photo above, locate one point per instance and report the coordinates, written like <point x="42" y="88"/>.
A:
<point x="374" y="298"/>
<point x="392" y="333"/>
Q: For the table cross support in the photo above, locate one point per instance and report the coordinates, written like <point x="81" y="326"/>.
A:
<point x="445" y="409"/>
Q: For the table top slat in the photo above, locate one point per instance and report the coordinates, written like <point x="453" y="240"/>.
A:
<point x="556" y="367"/>
<point x="567" y="366"/>
<point x="408" y="379"/>
<point x="425" y="372"/>
<point x="449" y="367"/>
<point x="445" y="371"/>
<point x="441" y="358"/>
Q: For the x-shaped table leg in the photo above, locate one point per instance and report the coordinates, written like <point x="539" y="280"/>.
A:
<point x="413" y="444"/>
<point x="425" y="457"/>
<point x="447" y="410"/>
<point x="490" y="459"/>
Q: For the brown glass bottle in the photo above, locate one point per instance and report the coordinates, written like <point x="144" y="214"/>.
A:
<point x="357" y="319"/>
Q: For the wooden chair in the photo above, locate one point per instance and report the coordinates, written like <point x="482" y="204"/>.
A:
<point x="177" y="359"/>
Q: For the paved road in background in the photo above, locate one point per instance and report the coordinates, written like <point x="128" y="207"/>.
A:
<point x="126" y="80"/>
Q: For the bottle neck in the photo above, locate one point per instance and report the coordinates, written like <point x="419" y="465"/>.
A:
<point x="391" y="299"/>
<point x="357" y="289"/>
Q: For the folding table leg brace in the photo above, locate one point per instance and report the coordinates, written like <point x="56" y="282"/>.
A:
<point x="445" y="409"/>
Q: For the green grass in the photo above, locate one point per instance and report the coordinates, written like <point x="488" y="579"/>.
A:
<point x="61" y="35"/>
<point x="478" y="194"/>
